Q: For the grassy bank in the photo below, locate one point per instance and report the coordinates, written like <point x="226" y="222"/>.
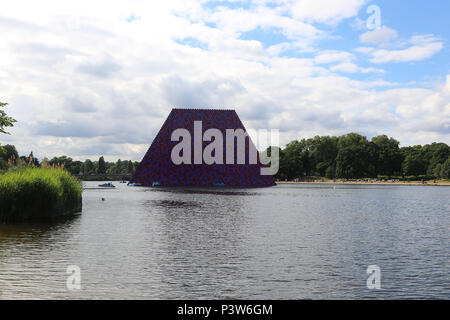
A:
<point x="38" y="194"/>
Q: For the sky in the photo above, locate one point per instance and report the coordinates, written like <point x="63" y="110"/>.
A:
<point x="91" y="78"/>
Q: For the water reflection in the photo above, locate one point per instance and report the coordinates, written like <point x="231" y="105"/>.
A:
<point x="281" y="242"/>
<point x="209" y="191"/>
<point x="201" y="237"/>
<point x="37" y="234"/>
<point x="30" y="255"/>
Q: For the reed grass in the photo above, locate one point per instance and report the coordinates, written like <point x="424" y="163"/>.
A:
<point x="37" y="193"/>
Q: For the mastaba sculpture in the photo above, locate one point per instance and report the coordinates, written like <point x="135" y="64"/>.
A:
<point x="159" y="168"/>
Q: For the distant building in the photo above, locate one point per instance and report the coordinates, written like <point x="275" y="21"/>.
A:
<point x="158" y="167"/>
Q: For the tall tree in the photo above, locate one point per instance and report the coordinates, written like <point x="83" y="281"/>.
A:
<point x="10" y="153"/>
<point x="130" y="168"/>
<point x="386" y="155"/>
<point x="414" y="163"/>
<point x="445" y="170"/>
<point x="352" y="160"/>
<point x="3" y="163"/>
<point x="438" y="154"/>
<point x="101" y="165"/>
<point x="323" y="155"/>
<point x="5" y="121"/>
<point x="89" y="166"/>
<point x="32" y="160"/>
<point x="291" y="161"/>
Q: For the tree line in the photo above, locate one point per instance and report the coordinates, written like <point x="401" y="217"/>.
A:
<point x="350" y="156"/>
<point x="353" y="156"/>
<point x="9" y="157"/>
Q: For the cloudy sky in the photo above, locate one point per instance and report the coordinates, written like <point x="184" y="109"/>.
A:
<point x="90" y="78"/>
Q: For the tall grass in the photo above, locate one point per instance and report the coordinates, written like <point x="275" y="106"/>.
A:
<point x="36" y="193"/>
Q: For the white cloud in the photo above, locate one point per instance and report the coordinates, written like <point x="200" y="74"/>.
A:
<point x="365" y="50"/>
<point x="382" y="35"/>
<point x="87" y="82"/>
<point x="413" y="53"/>
<point x="420" y="47"/>
<point x="330" y="56"/>
<point x="326" y="11"/>
<point x="350" y="67"/>
<point x="345" y="62"/>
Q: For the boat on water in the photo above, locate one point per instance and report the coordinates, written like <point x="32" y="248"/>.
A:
<point x="123" y="181"/>
<point x="219" y="184"/>
<point x="134" y="185"/>
<point x="156" y="184"/>
<point x="107" y="185"/>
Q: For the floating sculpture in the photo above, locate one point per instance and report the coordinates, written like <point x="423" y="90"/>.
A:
<point x="202" y="147"/>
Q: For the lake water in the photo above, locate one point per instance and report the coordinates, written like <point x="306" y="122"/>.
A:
<point x="284" y="242"/>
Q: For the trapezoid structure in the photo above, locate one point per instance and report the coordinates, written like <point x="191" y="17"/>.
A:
<point x="158" y="168"/>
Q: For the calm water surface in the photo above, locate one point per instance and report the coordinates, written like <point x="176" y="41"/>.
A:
<point x="288" y="241"/>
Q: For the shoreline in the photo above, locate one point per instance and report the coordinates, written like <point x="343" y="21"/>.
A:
<point x="400" y="183"/>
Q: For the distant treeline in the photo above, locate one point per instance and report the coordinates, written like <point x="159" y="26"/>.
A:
<point x="10" y="157"/>
<point x="350" y="156"/>
<point x="353" y="156"/>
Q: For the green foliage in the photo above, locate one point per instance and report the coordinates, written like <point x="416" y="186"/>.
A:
<point x="352" y="156"/>
<point x="36" y="190"/>
<point x="388" y="159"/>
<point x="323" y="154"/>
<point x="9" y="153"/>
<point x="414" y="164"/>
<point x="32" y="160"/>
<point x="89" y="167"/>
<point x="352" y="160"/>
<point x="445" y="170"/>
<point x="67" y="163"/>
<point x="5" y="121"/>
<point x="101" y="166"/>
<point x="130" y="167"/>
<point x="3" y="163"/>
<point x="438" y="154"/>
<point x="330" y="172"/>
<point x="120" y="167"/>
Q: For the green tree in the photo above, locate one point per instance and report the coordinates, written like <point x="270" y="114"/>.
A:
<point x="291" y="161"/>
<point x="330" y="173"/>
<point x="387" y="159"/>
<point x="414" y="164"/>
<point x="101" y="166"/>
<point x="74" y="167"/>
<point x="352" y="160"/>
<point x="438" y="153"/>
<point x="5" y="121"/>
<point x="130" y="167"/>
<point x="323" y="155"/>
<point x="10" y="153"/>
<point x="83" y="169"/>
<point x="32" y="160"/>
<point x="445" y="169"/>
<point x="89" y="166"/>
<point x="3" y="162"/>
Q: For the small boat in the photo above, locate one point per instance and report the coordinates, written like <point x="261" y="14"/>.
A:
<point x="107" y="185"/>
<point x="219" y="184"/>
<point x="134" y="185"/>
<point x="123" y="181"/>
<point x="156" y="184"/>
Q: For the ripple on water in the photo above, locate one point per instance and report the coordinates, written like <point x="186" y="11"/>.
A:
<point x="274" y="243"/>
